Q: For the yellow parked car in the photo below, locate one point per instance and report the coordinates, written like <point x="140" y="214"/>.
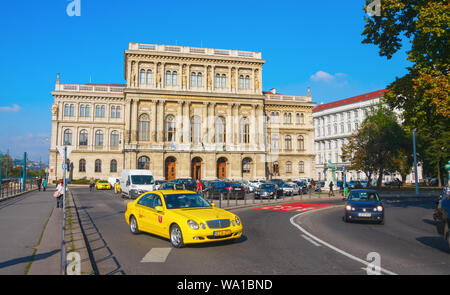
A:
<point x="181" y="216"/>
<point x="102" y="184"/>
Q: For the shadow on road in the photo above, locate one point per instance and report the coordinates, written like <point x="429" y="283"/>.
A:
<point x="27" y="259"/>
<point x="436" y="242"/>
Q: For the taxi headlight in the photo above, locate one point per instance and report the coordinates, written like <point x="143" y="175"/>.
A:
<point x="238" y="221"/>
<point x="193" y="224"/>
<point x="380" y="208"/>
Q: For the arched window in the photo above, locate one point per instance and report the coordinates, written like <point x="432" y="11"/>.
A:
<point x="246" y="165"/>
<point x="288" y="143"/>
<point x="223" y="83"/>
<point x="98" y="166"/>
<point x="149" y="76"/>
<point x="195" y="129"/>
<point x="220" y="130"/>
<point x="144" y="127"/>
<point x="117" y="112"/>
<point x="275" y="143"/>
<point x="174" y="78"/>
<point x="99" y="138"/>
<point x="247" y="79"/>
<point x="301" y="167"/>
<point x="168" y="78"/>
<point x="289" y="118"/>
<point x="82" y="113"/>
<point x="288" y="167"/>
<point x="114" y="138"/>
<point x="170" y="128"/>
<point x="102" y="113"/>
<point x="97" y="111"/>
<point x="83" y="137"/>
<point x="199" y="80"/>
<point x="241" y="81"/>
<point x="144" y="163"/>
<point x="244" y="130"/>
<point x="67" y="137"/>
<point x="217" y="81"/>
<point x="82" y="165"/>
<point x="113" y="166"/>
<point x="142" y="77"/>
<point x="300" y="143"/>
<point x="193" y="77"/>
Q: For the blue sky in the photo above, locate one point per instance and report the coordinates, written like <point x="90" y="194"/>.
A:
<point x="305" y="43"/>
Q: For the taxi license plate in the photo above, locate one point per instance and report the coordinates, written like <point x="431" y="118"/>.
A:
<point x="364" y="214"/>
<point x="221" y="233"/>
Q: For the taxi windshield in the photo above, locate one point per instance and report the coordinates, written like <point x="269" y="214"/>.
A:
<point x="181" y="201"/>
<point x="364" y="196"/>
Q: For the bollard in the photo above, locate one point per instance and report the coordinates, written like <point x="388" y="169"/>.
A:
<point x="228" y="198"/>
<point x="220" y="202"/>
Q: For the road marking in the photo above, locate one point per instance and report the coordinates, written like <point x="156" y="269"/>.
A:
<point x="294" y="207"/>
<point x="367" y="264"/>
<point x="311" y="241"/>
<point x="156" y="255"/>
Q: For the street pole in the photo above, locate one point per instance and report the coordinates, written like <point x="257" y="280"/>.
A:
<point x="63" y="262"/>
<point x="1" y="169"/>
<point x="24" y="174"/>
<point x="415" y="162"/>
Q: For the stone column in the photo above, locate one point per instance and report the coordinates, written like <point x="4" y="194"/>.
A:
<point x="186" y="121"/>
<point x="253" y="127"/>
<point x="134" y="111"/>
<point x="236" y="123"/>
<point x="160" y="121"/>
<point x="153" y="119"/>
<point x="205" y="124"/>
<point x="211" y="123"/>
<point x="179" y="123"/>
<point x="230" y="122"/>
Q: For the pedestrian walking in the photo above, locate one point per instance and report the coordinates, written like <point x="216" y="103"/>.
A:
<point x="331" y="192"/>
<point x="39" y="183"/>
<point x="91" y="185"/>
<point x="59" y="194"/>
<point x="199" y="186"/>
<point x="44" y="184"/>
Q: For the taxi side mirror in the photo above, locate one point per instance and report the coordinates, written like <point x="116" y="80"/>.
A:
<point x="159" y="208"/>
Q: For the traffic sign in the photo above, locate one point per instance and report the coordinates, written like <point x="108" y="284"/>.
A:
<point x="60" y="149"/>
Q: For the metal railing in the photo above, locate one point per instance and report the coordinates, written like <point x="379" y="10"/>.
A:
<point x="14" y="186"/>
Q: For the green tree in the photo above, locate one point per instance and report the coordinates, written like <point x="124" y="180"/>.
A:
<point x="423" y="93"/>
<point x="377" y="146"/>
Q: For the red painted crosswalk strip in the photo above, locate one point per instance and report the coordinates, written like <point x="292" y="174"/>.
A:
<point x="294" y="207"/>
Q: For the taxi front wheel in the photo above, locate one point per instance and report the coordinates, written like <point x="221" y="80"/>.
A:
<point x="176" y="236"/>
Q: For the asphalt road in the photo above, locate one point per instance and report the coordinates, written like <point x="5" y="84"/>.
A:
<point x="407" y="243"/>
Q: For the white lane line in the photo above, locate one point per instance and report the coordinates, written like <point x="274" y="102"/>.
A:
<point x="156" y="255"/>
<point x="367" y="264"/>
<point x="311" y="241"/>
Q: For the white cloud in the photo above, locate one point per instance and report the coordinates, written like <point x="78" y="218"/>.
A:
<point x="321" y="76"/>
<point x="15" y="108"/>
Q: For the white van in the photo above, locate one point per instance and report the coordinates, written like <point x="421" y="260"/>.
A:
<point x="133" y="183"/>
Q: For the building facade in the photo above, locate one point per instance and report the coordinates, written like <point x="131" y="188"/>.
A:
<point x="183" y="112"/>
<point x="333" y="123"/>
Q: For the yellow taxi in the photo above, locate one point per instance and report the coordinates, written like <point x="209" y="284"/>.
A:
<point x="102" y="184"/>
<point x="181" y="216"/>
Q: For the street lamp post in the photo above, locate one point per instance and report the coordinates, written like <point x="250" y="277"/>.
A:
<point x="415" y="162"/>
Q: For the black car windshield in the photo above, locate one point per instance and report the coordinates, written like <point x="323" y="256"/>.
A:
<point x="364" y="196"/>
<point x="142" y="179"/>
<point x="267" y="186"/>
<point x="177" y="201"/>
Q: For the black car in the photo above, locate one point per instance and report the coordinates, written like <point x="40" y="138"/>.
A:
<point x="189" y="183"/>
<point x="232" y="190"/>
<point x="268" y="191"/>
<point x="364" y="205"/>
<point x="171" y="186"/>
<point x="442" y="215"/>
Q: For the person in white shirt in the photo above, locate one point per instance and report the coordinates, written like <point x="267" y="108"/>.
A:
<point x="60" y="194"/>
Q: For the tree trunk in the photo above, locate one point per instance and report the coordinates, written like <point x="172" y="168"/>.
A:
<point x="439" y="175"/>
<point x="380" y="178"/>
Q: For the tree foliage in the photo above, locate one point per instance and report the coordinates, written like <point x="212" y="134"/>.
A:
<point x="423" y="93"/>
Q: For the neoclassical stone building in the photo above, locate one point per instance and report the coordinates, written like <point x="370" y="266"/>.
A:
<point x="184" y="112"/>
